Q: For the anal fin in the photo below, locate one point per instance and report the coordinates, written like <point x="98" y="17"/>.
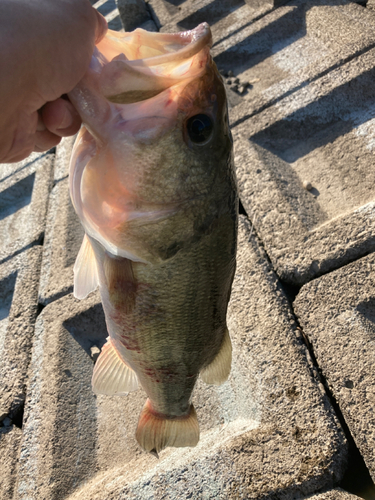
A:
<point x="217" y="372"/>
<point x="85" y="270"/>
<point x="111" y="375"/>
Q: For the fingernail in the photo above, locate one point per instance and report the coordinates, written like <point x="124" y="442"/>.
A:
<point x="101" y="27"/>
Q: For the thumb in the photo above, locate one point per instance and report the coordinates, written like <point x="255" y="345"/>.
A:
<point x="101" y="27"/>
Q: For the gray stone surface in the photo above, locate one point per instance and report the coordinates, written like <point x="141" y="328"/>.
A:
<point x="108" y="9"/>
<point x="259" y="4"/>
<point x="336" y="312"/>
<point x="19" y="281"/>
<point x="24" y="189"/>
<point x="133" y="13"/>
<point x="63" y="234"/>
<point x="278" y="52"/>
<point x="336" y="494"/>
<point x="225" y="17"/>
<point x="320" y="132"/>
<point x="268" y="431"/>
<point x="10" y="439"/>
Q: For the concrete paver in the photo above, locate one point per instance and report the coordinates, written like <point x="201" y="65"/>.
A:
<point x="133" y="13"/>
<point x="10" y="438"/>
<point x="269" y="429"/>
<point x="108" y="9"/>
<point x="322" y="134"/>
<point x="19" y="281"/>
<point x="24" y="188"/>
<point x="336" y="494"/>
<point x="336" y="312"/>
<point x="63" y="234"/>
<point x="305" y="116"/>
<point x="224" y="18"/>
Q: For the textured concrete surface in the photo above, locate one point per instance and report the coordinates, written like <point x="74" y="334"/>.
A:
<point x="24" y="188"/>
<point x="336" y="494"/>
<point x="299" y="76"/>
<point x="10" y="438"/>
<point x="109" y="10"/>
<point x="341" y="329"/>
<point x="63" y="234"/>
<point x="133" y="13"/>
<point x="319" y="134"/>
<point x="19" y="280"/>
<point x="269" y="429"/>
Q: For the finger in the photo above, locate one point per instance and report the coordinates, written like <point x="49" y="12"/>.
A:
<point x="61" y="118"/>
<point x="101" y="27"/>
<point x="19" y="142"/>
<point x="40" y="125"/>
<point x="45" y="140"/>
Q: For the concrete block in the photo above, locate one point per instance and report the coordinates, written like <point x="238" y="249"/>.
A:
<point x="24" y="189"/>
<point x="108" y="9"/>
<point x="19" y="280"/>
<point x="336" y="494"/>
<point x="179" y="15"/>
<point x="336" y="313"/>
<point x="149" y="26"/>
<point x="258" y="4"/>
<point x="63" y="235"/>
<point x="278" y="52"/>
<point x="133" y="13"/>
<point x="269" y="431"/>
<point x="319" y="136"/>
<point x="10" y="439"/>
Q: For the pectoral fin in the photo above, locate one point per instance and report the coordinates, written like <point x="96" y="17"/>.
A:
<point x="85" y="270"/>
<point x="218" y="370"/>
<point x="111" y="375"/>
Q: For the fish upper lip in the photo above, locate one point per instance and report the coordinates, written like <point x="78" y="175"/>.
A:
<point x="200" y="37"/>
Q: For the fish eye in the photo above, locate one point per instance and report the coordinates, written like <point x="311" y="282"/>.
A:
<point x="199" y="128"/>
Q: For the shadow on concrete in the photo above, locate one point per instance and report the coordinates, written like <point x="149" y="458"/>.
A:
<point x="7" y="286"/>
<point x="17" y="196"/>
<point x="273" y="38"/>
<point x="76" y="415"/>
<point x="88" y="328"/>
<point x="27" y="165"/>
<point x="367" y="311"/>
<point x="211" y="13"/>
<point x="322" y="121"/>
<point x="259" y="46"/>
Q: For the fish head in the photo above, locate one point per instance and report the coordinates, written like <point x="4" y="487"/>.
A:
<point x="155" y="133"/>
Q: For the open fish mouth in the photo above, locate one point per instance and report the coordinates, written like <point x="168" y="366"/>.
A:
<point x="140" y="65"/>
<point x="135" y="102"/>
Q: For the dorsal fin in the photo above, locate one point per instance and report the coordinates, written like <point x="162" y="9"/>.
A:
<point x="85" y="270"/>
<point x="111" y="375"/>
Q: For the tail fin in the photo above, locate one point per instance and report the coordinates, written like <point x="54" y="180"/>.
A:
<point x="155" y="432"/>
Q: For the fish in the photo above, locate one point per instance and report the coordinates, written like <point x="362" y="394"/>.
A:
<point x="153" y="183"/>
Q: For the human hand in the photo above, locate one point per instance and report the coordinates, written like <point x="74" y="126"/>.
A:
<point x="46" y="48"/>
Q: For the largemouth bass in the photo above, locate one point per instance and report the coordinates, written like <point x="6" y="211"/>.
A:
<point x="153" y="184"/>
